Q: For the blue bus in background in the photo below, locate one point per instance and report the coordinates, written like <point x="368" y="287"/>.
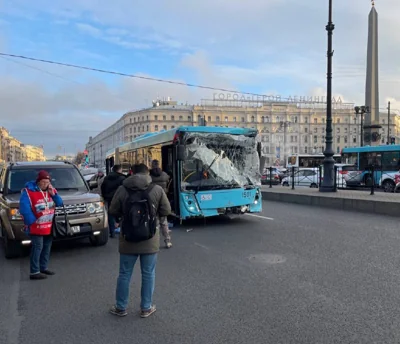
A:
<point x="386" y="162"/>
<point x="213" y="170"/>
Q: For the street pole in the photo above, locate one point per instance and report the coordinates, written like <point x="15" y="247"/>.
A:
<point x="328" y="181"/>
<point x="362" y="130"/>
<point x="388" y="133"/>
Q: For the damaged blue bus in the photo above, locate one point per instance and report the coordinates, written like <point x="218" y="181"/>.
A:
<point x="213" y="170"/>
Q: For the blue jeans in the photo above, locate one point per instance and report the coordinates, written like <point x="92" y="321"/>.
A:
<point x="148" y="267"/>
<point x="40" y="252"/>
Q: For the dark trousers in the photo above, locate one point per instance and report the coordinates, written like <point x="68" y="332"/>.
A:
<point x="111" y="219"/>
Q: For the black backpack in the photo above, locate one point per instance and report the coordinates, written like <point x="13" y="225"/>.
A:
<point x="140" y="216"/>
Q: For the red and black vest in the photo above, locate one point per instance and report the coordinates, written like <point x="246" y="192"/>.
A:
<point x="43" y="208"/>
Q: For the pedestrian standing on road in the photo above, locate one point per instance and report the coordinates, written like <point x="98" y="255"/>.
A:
<point x="37" y="207"/>
<point x="161" y="178"/>
<point x="140" y="236"/>
<point x="108" y="189"/>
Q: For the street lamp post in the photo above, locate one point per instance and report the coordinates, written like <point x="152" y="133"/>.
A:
<point x="328" y="181"/>
<point x="361" y="110"/>
<point x="101" y="154"/>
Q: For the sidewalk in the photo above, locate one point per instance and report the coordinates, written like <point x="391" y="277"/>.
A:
<point x="380" y="203"/>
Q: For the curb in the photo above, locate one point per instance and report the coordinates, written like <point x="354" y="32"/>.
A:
<point x="345" y="204"/>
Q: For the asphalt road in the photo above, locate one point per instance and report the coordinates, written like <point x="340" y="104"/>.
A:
<point x="306" y="275"/>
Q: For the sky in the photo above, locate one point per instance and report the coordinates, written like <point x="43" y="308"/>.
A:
<point x="268" y="47"/>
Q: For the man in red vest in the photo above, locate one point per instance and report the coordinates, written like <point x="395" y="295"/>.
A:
<point x="37" y="206"/>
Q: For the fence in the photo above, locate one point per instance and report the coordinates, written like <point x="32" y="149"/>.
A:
<point x="370" y="179"/>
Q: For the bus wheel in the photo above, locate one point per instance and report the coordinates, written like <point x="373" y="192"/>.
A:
<point x="388" y="186"/>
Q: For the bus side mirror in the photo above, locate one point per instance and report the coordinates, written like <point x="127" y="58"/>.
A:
<point x="180" y="152"/>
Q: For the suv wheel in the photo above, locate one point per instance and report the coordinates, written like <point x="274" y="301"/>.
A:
<point x="101" y="239"/>
<point x="12" y="248"/>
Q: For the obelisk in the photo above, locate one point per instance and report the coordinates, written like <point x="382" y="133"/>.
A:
<point x="372" y="126"/>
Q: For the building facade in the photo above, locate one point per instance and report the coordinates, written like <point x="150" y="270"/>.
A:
<point x="34" y="153"/>
<point x="13" y="150"/>
<point x="285" y="128"/>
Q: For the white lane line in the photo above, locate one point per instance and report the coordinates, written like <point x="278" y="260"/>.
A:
<point x="202" y="246"/>
<point x="261" y="217"/>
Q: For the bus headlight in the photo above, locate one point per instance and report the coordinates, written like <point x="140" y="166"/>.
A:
<point x="95" y="207"/>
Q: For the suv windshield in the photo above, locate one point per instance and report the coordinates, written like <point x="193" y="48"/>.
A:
<point x="61" y="178"/>
<point x="219" y="161"/>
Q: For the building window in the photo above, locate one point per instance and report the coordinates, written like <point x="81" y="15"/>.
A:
<point x="209" y="119"/>
<point x="306" y="120"/>
<point x="338" y="139"/>
<point x="252" y="119"/>
<point x="190" y="118"/>
<point x="234" y="119"/>
<point x="226" y="119"/>
<point x="156" y="127"/>
<point x="180" y="118"/>
<point x="164" y="127"/>
<point x="218" y="119"/>
<point x="164" y="118"/>
<point x="315" y="120"/>
<point x="172" y="118"/>
<point x="242" y="119"/>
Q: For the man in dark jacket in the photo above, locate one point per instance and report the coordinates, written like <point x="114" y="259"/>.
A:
<point x="146" y="250"/>
<point x="158" y="176"/>
<point x="108" y="189"/>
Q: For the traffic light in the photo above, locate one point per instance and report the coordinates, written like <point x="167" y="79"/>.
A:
<point x="392" y="140"/>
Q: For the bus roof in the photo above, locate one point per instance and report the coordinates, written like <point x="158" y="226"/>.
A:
<point x="367" y="149"/>
<point x="166" y="136"/>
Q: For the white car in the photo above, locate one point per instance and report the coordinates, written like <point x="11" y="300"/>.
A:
<point x="303" y="177"/>
<point x="310" y="177"/>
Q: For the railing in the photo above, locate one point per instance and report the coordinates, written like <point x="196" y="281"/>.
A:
<point x="371" y="179"/>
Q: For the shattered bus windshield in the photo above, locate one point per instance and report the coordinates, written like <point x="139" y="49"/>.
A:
<point x="220" y="161"/>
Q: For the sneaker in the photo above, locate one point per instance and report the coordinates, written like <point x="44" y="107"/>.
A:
<point x="168" y="244"/>
<point x="39" y="276"/>
<point x="119" y="312"/>
<point x="147" y="312"/>
<point x="48" y="272"/>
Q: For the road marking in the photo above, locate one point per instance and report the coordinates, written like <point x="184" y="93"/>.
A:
<point x="202" y="246"/>
<point x="261" y="217"/>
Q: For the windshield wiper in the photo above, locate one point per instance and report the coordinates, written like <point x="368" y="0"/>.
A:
<point x="76" y="189"/>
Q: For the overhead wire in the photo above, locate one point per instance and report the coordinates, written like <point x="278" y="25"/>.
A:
<point x="5" y="55"/>
<point x="137" y="76"/>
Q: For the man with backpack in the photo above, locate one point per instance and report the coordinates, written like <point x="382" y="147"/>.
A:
<point x="137" y="206"/>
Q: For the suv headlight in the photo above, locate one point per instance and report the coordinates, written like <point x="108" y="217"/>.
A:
<point x="95" y="207"/>
<point x="15" y="214"/>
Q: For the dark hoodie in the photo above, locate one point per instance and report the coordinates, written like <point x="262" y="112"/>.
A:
<point x="158" y="198"/>
<point x="110" y="185"/>
<point x="159" y="178"/>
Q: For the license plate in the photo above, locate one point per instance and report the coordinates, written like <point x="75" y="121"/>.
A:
<point x="75" y="229"/>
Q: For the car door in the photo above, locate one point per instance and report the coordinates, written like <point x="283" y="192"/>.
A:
<point x="310" y="177"/>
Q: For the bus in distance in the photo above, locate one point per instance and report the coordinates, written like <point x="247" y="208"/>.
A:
<point x="309" y="160"/>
